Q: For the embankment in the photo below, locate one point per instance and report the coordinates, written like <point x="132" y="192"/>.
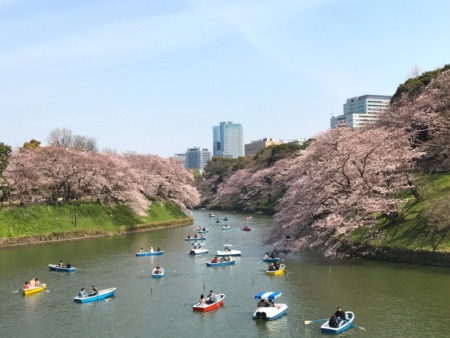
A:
<point x="86" y="234"/>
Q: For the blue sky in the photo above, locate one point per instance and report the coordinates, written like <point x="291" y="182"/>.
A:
<point x="155" y="76"/>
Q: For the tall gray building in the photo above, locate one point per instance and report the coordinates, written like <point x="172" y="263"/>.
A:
<point x="197" y="158"/>
<point x="228" y="140"/>
<point x="361" y="110"/>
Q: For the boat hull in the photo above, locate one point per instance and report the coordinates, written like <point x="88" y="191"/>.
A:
<point x="228" y="253"/>
<point x="55" y="267"/>
<point x="325" y="328"/>
<point x="30" y="291"/>
<point x="210" y="307"/>
<point x="231" y="262"/>
<point x="270" y="313"/>
<point x="198" y="252"/>
<point x="195" y="239"/>
<point x="144" y="254"/>
<point x="271" y="260"/>
<point x="278" y="272"/>
<point x="102" y="294"/>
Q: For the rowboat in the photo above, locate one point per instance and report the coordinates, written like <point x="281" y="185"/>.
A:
<point x="248" y="217"/>
<point x="198" y="250"/>
<point x="271" y="260"/>
<point x="35" y="289"/>
<point x="56" y="267"/>
<point x="226" y="227"/>
<point x="149" y="253"/>
<point x="225" y="218"/>
<point x="102" y="294"/>
<point x="267" y="309"/>
<point x="246" y="228"/>
<point x="280" y="271"/>
<point x="210" y="304"/>
<point x="203" y="231"/>
<point x="228" y="252"/>
<point x="344" y="325"/>
<point x="212" y="215"/>
<point x="217" y="220"/>
<point x="159" y="274"/>
<point x="222" y="262"/>
<point x="195" y="238"/>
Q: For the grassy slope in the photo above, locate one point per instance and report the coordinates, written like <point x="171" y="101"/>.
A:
<point x="36" y="220"/>
<point x="414" y="231"/>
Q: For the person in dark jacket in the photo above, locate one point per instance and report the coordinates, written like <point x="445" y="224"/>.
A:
<point x="333" y="322"/>
<point x="340" y="314"/>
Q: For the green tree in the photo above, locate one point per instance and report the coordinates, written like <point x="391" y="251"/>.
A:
<point x="5" y="154"/>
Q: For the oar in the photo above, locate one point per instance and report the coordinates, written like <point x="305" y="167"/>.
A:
<point x="315" y="321"/>
<point x="359" y="327"/>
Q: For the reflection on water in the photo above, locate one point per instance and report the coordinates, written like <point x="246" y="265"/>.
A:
<point x="382" y="295"/>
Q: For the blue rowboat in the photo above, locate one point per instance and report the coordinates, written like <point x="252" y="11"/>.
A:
<point x="159" y="274"/>
<point x="271" y="260"/>
<point x="267" y="309"/>
<point x="195" y="239"/>
<point x="222" y="263"/>
<point x="226" y="227"/>
<point x="344" y="325"/>
<point x="56" y="267"/>
<point x="102" y="294"/>
<point x="154" y="253"/>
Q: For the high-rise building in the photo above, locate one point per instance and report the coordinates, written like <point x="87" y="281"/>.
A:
<point x="197" y="158"/>
<point x="228" y="140"/>
<point x="180" y="158"/>
<point x="361" y="110"/>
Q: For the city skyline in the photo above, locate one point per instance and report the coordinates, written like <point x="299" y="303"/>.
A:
<point x="153" y="77"/>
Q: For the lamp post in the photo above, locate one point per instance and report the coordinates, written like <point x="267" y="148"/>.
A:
<point x="76" y="215"/>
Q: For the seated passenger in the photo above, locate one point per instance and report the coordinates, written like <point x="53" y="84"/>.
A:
<point x="340" y="314"/>
<point x="83" y="293"/>
<point x="202" y="300"/>
<point x="36" y="282"/>
<point x="142" y="250"/>
<point x="333" y="322"/>
<point x="262" y="303"/>
<point x="61" y="264"/>
<point x="68" y="266"/>
<point x="26" y="285"/>
<point x="32" y="283"/>
<point x="94" y="291"/>
<point x="214" y="260"/>
<point x="158" y="249"/>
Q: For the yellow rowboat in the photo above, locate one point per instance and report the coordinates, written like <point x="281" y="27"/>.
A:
<point x="30" y="291"/>
<point x="280" y="271"/>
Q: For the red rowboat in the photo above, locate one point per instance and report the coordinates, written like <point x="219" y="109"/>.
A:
<point x="218" y="301"/>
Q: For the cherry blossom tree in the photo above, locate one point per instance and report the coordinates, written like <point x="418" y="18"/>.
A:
<point x="49" y="174"/>
<point x="340" y="182"/>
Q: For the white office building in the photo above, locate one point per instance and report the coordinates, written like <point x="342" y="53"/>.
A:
<point x="361" y="110"/>
<point x="197" y="158"/>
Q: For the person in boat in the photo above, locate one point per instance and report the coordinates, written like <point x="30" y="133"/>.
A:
<point x="26" y="285"/>
<point x="83" y="293"/>
<point x="204" y="229"/>
<point x="188" y="236"/>
<point x="142" y="250"/>
<point x="158" y="269"/>
<point x="340" y="314"/>
<point x="214" y="260"/>
<point x="151" y="249"/>
<point x="333" y="322"/>
<point x="32" y="283"/>
<point x="68" y="265"/>
<point x="262" y="303"/>
<point x="158" y="249"/>
<point x="195" y="236"/>
<point x="202" y="300"/>
<point x="227" y="258"/>
<point x="211" y="297"/>
<point x="36" y="282"/>
<point x="227" y="249"/>
<point x="272" y="255"/>
<point x="61" y="264"/>
<point x="271" y="267"/>
<point x="276" y="266"/>
<point x="94" y="291"/>
<point x="266" y="255"/>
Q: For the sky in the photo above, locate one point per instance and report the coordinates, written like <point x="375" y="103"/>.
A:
<point x="154" y="76"/>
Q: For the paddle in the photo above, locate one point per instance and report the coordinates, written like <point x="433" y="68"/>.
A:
<point x="315" y="321"/>
<point x="359" y="327"/>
